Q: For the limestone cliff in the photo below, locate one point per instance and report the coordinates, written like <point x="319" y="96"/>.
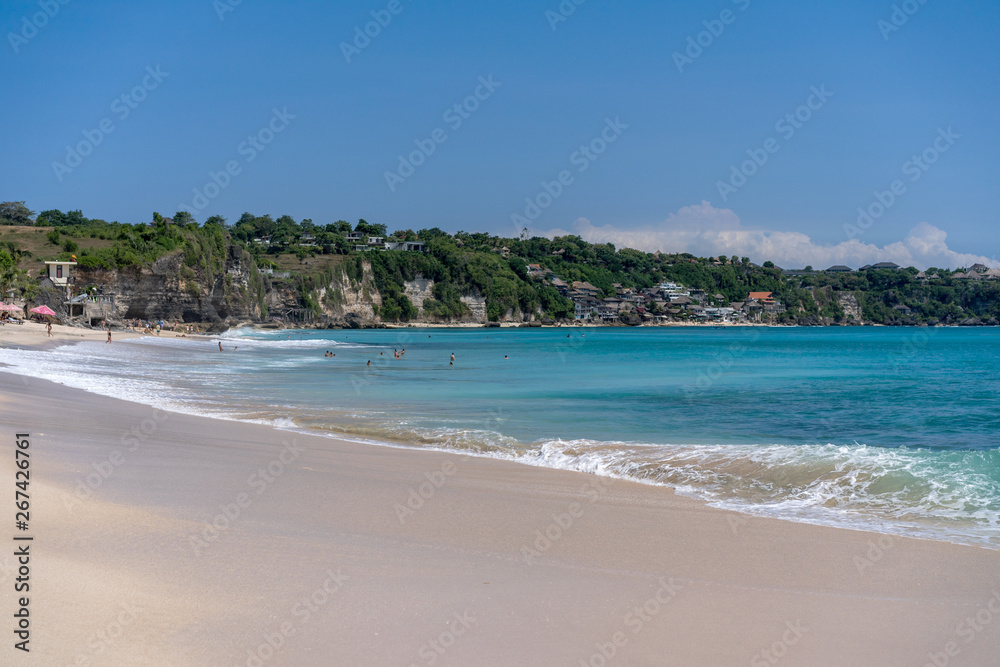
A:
<point x="852" y="310"/>
<point x="168" y="289"/>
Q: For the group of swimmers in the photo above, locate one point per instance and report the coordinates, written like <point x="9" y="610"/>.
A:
<point x="398" y="354"/>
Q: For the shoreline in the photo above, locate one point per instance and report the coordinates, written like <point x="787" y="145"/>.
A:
<point x="398" y="541"/>
<point x="874" y="524"/>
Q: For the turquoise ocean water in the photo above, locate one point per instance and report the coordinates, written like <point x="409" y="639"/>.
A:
<point x="886" y="429"/>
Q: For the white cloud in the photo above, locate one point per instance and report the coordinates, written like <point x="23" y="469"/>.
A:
<point x="704" y="230"/>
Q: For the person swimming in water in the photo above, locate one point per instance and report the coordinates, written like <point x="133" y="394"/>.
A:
<point x="369" y="362"/>
<point x="220" y="345"/>
<point x="453" y="356"/>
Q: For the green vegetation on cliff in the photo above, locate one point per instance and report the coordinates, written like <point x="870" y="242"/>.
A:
<point x="468" y="266"/>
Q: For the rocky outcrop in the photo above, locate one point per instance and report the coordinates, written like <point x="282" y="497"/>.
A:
<point x="419" y="290"/>
<point x="170" y="290"/>
<point x="852" y="309"/>
<point x="477" y="307"/>
<point x="347" y="298"/>
<point x="235" y="292"/>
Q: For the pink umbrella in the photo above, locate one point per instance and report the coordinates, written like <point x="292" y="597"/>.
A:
<point x="9" y="307"/>
<point x="43" y="310"/>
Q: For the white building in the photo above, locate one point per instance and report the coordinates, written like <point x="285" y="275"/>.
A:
<point x="673" y="290"/>
<point x="59" y="272"/>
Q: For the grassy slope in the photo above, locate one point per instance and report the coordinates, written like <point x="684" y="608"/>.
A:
<point x="32" y="239"/>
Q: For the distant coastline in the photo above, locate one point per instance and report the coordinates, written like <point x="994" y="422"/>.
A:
<point x="216" y="275"/>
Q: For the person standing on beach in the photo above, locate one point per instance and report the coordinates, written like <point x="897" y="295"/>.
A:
<point x="109" y="335"/>
<point x="220" y="347"/>
<point x="48" y="329"/>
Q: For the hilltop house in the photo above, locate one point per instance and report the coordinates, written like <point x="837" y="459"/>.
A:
<point x="839" y="268"/>
<point x="406" y="246"/>
<point x="585" y="288"/>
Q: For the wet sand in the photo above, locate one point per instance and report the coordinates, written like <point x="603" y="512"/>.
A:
<point x="165" y="539"/>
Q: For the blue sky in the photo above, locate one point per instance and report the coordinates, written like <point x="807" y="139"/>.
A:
<point x="225" y="69"/>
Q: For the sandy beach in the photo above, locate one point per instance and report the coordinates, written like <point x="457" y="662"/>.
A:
<point x="166" y="539"/>
<point x="35" y="334"/>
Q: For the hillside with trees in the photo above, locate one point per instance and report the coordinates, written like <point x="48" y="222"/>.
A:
<point x="300" y="266"/>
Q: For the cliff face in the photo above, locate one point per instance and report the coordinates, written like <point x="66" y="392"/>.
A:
<point x="852" y="310"/>
<point x="353" y="299"/>
<point x="235" y="292"/>
<point x="170" y="290"/>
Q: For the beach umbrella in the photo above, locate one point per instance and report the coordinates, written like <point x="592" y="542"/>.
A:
<point x="44" y="310"/>
<point x="9" y="307"/>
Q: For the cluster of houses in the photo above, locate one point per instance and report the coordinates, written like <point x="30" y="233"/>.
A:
<point x="975" y="272"/>
<point x="667" y="301"/>
<point x="360" y="242"/>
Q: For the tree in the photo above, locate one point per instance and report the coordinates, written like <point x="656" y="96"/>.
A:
<point x="8" y="270"/>
<point x="366" y="227"/>
<point x="51" y="218"/>
<point x="339" y="227"/>
<point x="16" y="213"/>
<point x="183" y="218"/>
